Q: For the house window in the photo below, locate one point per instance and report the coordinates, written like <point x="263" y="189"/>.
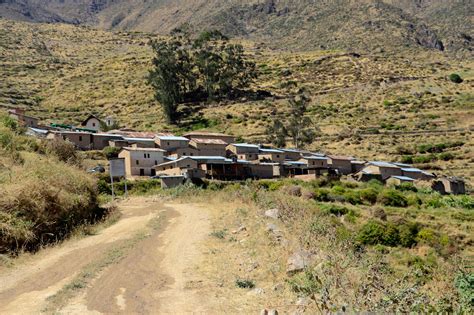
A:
<point x="80" y="138"/>
<point x="167" y="143"/>
<point x="137" y="162"/>
<point x="156" y="162"/>
<point x="93" y="124"/>
<point x="278" y="156"/>
<point x="144" y="155"/>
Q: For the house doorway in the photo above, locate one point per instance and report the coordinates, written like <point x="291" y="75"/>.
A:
<point x="142" y="172"/>
<point x="153" y="172"/>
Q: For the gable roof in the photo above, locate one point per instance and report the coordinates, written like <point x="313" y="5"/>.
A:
<point x="208" y="141"/>
<point x="383" y="164"/>
<point x="245" y="145"/>
<point x="143" y="149"/>
<point x="89" y="118"/>
<point x="341" y="157"/>
<point x="270" y="151"/>
<point x="173" y="138"/>
<point x="403" y="178"/>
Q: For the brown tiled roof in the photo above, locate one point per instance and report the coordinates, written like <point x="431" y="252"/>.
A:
<point x="340" y="157"/>
<point x="204" y="133"/>
<point x="139" y="134"/>
<point x="209" y="141"/>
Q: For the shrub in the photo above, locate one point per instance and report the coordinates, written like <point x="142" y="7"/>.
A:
<point x="464" y="283"/>
<point x="244" y="283"/>
<point x="406" y="187"/>
<point x="65" y="151"/>
<point x="336" y="210"/>
<point x="371" y="233"/>
<point x="388" y="234"/>
<point x="353" y="197"/>
<point x="306" y="283"/>
<point x="408" y="233"/>
<point x="455" y="78"/>
<point x="369" y="195"/>
<point x="321" y="194"/>
<point x="111" y="152"/>
<point x="392" y="198"/>
<point x="219" y="234"/>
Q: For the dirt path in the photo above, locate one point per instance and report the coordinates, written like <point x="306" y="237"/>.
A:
<point x="144" y="263"/>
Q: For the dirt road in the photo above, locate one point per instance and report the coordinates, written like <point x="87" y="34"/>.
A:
<point x="144" y="263"/>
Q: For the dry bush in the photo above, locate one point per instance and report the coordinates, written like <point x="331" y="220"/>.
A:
<point x="42" y="201"/>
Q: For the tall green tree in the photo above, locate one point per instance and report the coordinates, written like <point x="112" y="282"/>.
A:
<point x="298" y="127"/>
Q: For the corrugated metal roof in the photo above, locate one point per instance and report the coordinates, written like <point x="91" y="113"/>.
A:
<point x="340" y="157"/>
<point x="383" y="164"/>
<point x="245" y="145"/>
<point x="173" y="138"/>
<point x="314" y="157"/>
<point x="404" y="178"/>
<point x="270" y="151"/>
<point x="139" y="139"/>
<point x="412" y="170"/>
<point x="143" y="149"/>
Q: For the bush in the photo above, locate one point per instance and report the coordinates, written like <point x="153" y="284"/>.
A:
<point x="306" y="283"/>
<point x="392" y="198"/>
<point x="456" y="78"/>
<point x="322" y="194"/>
<point x="336" y="210"/>
<point x="65" y="151"/>
<point x="111" y="152"/>
<point x="353" y="197"/>
<point x="369" y="195"/>
<point x="388" y="234"/>
<point x="244" y="284"/>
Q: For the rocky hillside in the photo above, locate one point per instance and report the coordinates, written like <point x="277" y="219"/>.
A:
<point x="304" y="24"/>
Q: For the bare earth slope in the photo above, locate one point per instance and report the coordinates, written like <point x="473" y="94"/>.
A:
<point x="142" y="264"/>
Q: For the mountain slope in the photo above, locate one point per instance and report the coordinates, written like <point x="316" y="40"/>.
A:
<point x="303" y="24"/>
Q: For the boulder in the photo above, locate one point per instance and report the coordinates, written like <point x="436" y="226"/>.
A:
<point x="299" y="260"/>
<point x="273" y="213"/>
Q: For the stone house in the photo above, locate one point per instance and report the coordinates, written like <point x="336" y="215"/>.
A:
<point x="141" y="161"/>
<point x="92" y="123"/>
<point x="292" y="154"/>
<point x="140" y="142"/>
<point x="18" y="114"/>
<point x="102" y="140"/>
<point x="244" y="151"/>
<point x="341" y="163"/>
<point x="271" y="155"/>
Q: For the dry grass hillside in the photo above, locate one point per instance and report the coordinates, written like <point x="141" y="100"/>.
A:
<point x="343" y="24"/>
<point x="379" y="105"/>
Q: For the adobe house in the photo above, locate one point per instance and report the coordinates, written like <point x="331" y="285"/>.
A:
<point x="292" y="154"/>
<point x="209" y="147"/>
<point x="384" y="169"/>
<point x="109" y="121"/>
<point x="244" y="151"/>
<point x="341" y="163"/>
<point x="92" y="123"/>
<point x="209" y="135"/>
<point x="170" y="143"/>
<point x="18" y="114"/>
<point x="449" y="185"/>
<point x="141" y="142"/>
<point x="177" y="153"/>
<point x="416" y="173"/>
<point x="357" y="165"/>
<point x="315" y="162"/>
<point x="271" y="155"/>
<point x="82" y="140"/>
<point x="265" y="170"/>
<point x="181" y="163"/>
<point x="397" y="180"/>
<point x="102" y="140"/>
<point x="141" y="161"/>
<point x="217" y="167"/>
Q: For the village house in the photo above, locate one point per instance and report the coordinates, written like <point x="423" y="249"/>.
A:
<point x="341" y="163"/>
<point x="18" y="114"/>
<point x="141" y="142"/>
<point x="189" y="151"/>
<point x="141" y="161"/>
<point x="292" y="154"/>
<point x="82" y="140"/>
<point x="184" y="166"/>
<point x="244" y="151"/>
<point x="170" y="143"/>
<point x="210" y="135"/>
<point x="416" y="173"/>
<point x="357" y="165"/>
<point x="315" y="162"/>
<point x="271" y="155"/>
<point x="449" y="185"/>
<point x="217" y="167"/>
<point x="381" y="170"/>
<point x="92" y="123"/>
<point x="209" y="147"/>
<point x="102" y="140"/>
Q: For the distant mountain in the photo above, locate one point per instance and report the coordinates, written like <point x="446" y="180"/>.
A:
<point x="299" y="24"/>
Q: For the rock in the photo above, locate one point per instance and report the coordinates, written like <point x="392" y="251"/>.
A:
<point x="273" y="213"/>
<point x="299" y="260"/>
<point x="272" y="312"/>
<point x="303" y="301"/>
